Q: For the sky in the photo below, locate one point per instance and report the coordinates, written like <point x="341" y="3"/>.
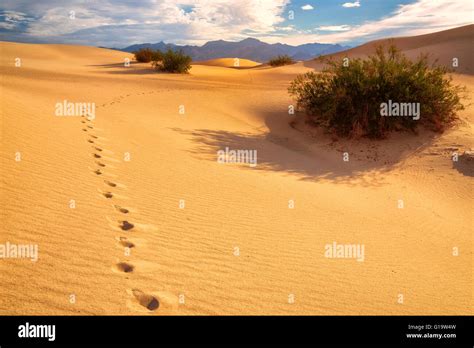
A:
<point x="120" y="23"/>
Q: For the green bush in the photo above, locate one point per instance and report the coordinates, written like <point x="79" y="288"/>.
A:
<point x="156" y="56"/>
<point x="347" y="97"/>
<point x="281" y="60"/>
<point x="144" y="55"/>
<point x="173" y="62"/>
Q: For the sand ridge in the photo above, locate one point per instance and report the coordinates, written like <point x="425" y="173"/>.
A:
<point x="441" y="48"/>
<point x="229" y="63"/>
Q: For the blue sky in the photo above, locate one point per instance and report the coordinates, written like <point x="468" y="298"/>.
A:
<point x="332" y="12"/>
<point x="119" y="23"/>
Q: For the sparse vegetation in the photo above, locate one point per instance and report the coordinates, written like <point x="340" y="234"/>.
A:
<point x="281" y="60"/>
<point x="172" y="61"/>
<point x="169" y="61"/>
<point x="144" y="55"/>
<point x="346" y="98"/>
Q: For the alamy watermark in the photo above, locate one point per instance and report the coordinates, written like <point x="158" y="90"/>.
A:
<point x="37" y="331"/>
<point x="19" y="251"/>
<point x="237" y="156"/>
<point x="67" y="108"/>
<point x="400" y="109"/>
<point x="345" y="251"/>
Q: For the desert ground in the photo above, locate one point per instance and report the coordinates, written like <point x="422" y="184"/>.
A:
<point x="159" y="227"/>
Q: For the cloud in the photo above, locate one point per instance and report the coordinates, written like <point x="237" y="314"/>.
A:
<point x="10" y="20"/>
<point x="334" y="28"/>
<point x="420" y="17"/>
<point x="351" y="4"/>
<point x="287" y="28"/>
<point x="118" y="23"/>
<point x="307" y="7"/>
<point x="58" y="21"/>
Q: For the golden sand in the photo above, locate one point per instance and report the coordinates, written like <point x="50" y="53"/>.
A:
<point x="132" y="213"/>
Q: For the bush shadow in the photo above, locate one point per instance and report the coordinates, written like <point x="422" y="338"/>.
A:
<point x="135" y="68"/>
<point x="280" y="150"/>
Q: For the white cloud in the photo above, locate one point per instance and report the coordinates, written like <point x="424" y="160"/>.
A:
<point x="334" y="28"/>
<point x="307" y="7"/>
<point x="351" y="4"/>
<point x="118" y="23"/>
<point x="287" y="28"/>
<point x="58" y="21"/>
<point x="420" y="17"/>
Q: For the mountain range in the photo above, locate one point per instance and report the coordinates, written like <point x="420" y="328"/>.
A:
<point x="248" y="48"/>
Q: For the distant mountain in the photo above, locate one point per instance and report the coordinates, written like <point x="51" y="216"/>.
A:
<point x="252" y="49"/>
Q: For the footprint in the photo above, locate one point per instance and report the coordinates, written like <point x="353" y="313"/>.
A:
<point x="148" y="301"/>
<point x="85" y="130"/>
<point x="122" y="210"/>
<point x="98" y="148"/>
<point x="100" y="164"/>
<point x="93" y="136"/>
<point x="110" y="183"/>
<point x="125" y="225"/>
<point x="126" y="243"/>
<point x="98" y="172"/>
<point x="90" y="141"/>
<point x="90" y="127"/>
<point x="125" y="267"/>
<point x="83" y="121"/>
<point x="108" y="194"/>
<point x="97" y="156"/>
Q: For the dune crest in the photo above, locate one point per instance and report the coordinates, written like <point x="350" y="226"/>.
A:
<point x="229" y="63"/>
<point x="442" y="47"/>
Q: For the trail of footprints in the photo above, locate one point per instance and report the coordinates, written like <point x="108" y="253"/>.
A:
<point x="148" y="301"/>
<point x="118" y="100"/>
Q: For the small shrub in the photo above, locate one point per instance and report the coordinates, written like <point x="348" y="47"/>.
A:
<point x="144" y="55"/>
<point x="347" y="99"/>
<point x="281" y="60"/>
<point x="173" y="62"/>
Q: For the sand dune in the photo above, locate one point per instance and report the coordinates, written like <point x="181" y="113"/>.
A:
<point x="229" y="63"/>
<point x="441" y="46"/>
<point x="132" y="213"/>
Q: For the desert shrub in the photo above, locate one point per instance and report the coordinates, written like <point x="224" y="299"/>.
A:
<point x="173" y="62"/>
<point x="347" y="97"/>
<point x="280" y="60"/>
<point x="156" y="56"/>
<point x="144" y="55"/>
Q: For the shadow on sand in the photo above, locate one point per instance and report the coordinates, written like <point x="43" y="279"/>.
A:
<point x="465" y="165"/>
<point x="280" y="153"/>
<point x="120" y="68"/>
